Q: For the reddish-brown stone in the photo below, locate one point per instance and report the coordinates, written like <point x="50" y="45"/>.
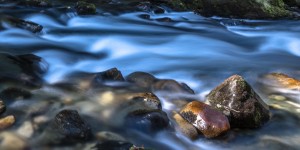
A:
<point x="208" y="121"/>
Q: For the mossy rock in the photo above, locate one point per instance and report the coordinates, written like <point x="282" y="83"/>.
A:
<point x="84" y="8"/>
<point x="252" y="9"/>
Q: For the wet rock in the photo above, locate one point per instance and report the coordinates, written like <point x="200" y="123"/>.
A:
<point x="208" y="121"/>
<point x="141" y="79"/>
<point x="69" y="124"/>
<point x="147" y="121"/>
<point x="185" y="127"/>
<point x="113" y="145"/>
<point x="34" y="3"/>
<point x="253" y="9"/>
<point x="148" y="81"/>
<point x="109" y="136"/>
<point x="8" y="21"/>
<point x="239" y="102"/>
<point x="7" y="122"/>
<point x="281" y="80"/>
<point x="2" y="107"/>
<point x="164" y="19"/>
<point x="12" y="141"/>
<point x="12" y="93"/>
<point x="22" y="70"/>
<point x="112" y="74"/>
<point x="158" y="10"/>
<point x="84" y="8"/>
<point x="173" y="86"/>
<point x="292" y="3"/>
<point x="144" y="16"/>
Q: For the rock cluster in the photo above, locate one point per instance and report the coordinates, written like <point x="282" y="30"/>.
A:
<point x="130" y="103"/>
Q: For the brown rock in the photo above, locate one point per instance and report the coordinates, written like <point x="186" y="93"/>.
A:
<point x="7" y="122"/>
<point x="283" y="81"/>
<point x="210" y="122"/>
<point x="185" y="127"/>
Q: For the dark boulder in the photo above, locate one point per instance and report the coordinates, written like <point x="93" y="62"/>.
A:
<point x="9" y="21"/>
<point x="71" y="127"/>
<point x="112" y="74"/>
<point x="239" y="102"/>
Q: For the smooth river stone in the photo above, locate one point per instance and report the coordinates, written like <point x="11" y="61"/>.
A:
<point x="239" y="102"/>
<point x="208" y="121"/>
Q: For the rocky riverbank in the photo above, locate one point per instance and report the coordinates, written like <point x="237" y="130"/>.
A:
<point x="91" y="109"/>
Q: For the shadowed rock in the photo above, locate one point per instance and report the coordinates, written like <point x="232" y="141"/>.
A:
<point x="69" y="124"/>
<point x="239" y="102"/>
<point x="147" y="121"/>
<point x="84" y="8"/>
<point x="9" y="21"/>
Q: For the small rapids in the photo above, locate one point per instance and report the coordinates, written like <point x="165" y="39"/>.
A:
<point x="186" y="47"/>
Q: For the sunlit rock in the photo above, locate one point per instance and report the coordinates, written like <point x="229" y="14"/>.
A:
<point x="239" y="102"/>
<point x="211" y="123"/>
<point x="12" y="141"/>
<point x="7" y="122"/>
<point x="281" y="80"/>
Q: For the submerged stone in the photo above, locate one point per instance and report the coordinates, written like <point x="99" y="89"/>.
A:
<point x="208" y="121"/>
<point x="69" y="124"/>
<point x="112" y="145"/>
<point x="84" y="8"/>
<point x="147" y="121"/>
<point x="167" y="85"/>
<point x="12" y="93"/>
<point x="141" y="79"/>
<point x="239" y="102"/>
<point x="9" y="21"/>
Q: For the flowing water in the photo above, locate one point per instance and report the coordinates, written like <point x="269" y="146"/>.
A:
<point x="199" y="51"/>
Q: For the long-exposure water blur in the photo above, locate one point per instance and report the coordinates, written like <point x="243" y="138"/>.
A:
<point x="202" y="52"/>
